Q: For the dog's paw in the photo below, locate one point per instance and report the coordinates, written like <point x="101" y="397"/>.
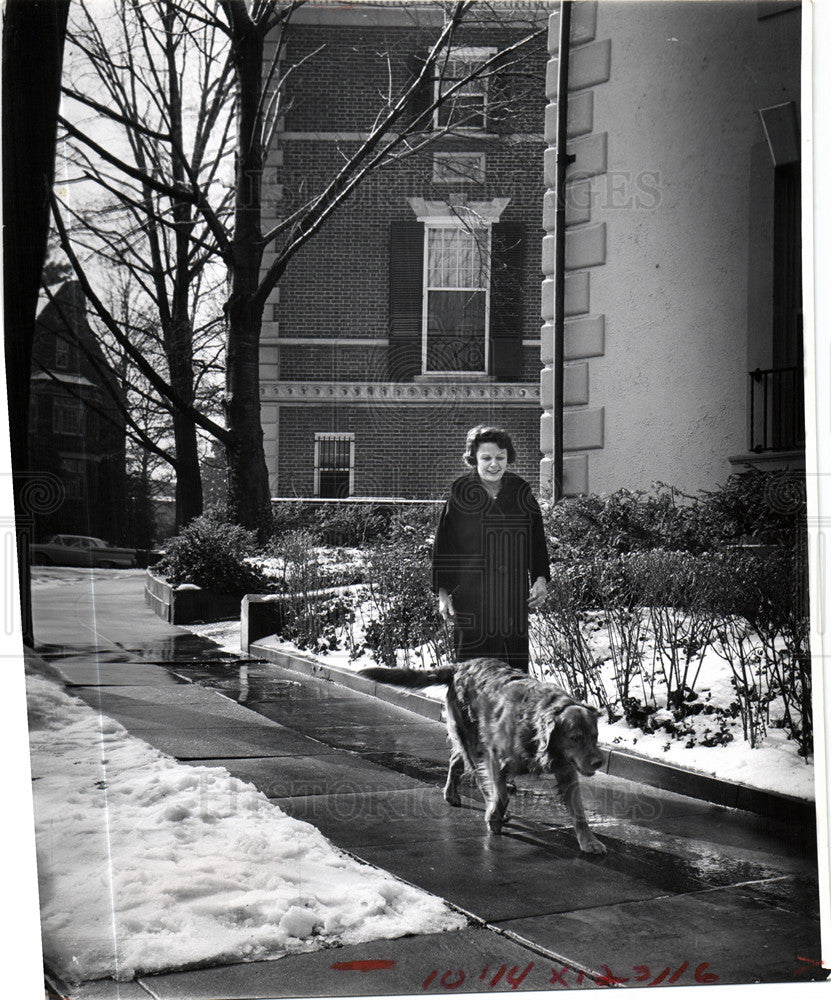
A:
<point x="589" y="844"/>
<point x="452" y="797"/>
<point x="494" y="822"/>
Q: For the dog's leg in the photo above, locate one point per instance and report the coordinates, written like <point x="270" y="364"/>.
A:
<point x="455" y="771"/>
<point x="497" y="801"/>
<point x="568" y="784"/>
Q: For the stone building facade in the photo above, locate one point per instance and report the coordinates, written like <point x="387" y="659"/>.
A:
<point x="683" y="329"/>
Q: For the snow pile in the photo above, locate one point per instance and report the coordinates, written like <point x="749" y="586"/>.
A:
<point x="146" y="864"/>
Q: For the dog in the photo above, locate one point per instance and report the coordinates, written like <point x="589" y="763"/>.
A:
<point x="503" y="722"/>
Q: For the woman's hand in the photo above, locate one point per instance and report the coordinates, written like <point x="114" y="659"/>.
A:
<point x="446" y="609"/>
<point x="539" y="591"/>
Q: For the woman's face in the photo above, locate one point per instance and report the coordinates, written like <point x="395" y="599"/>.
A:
<point x="491" y="462"/>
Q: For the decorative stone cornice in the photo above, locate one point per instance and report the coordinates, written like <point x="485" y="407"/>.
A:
<point x="404" y="393"/>
<point x="473" y="213"/>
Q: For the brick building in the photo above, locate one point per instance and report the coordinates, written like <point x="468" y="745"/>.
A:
<point x="414" y="313"/>
<point x="76" y="431"/>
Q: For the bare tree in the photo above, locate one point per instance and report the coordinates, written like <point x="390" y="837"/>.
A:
<point x="136" y="71"/>
<point x="250" y="29"/>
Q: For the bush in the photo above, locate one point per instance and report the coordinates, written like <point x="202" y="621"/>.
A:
<point x="351" y="524"/>
<point x="211" y="553"/>
<point x="405" y="610"/>
<point x="765" y="507"/>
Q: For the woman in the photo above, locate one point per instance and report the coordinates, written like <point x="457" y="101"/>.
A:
<point x="489" y="546"/>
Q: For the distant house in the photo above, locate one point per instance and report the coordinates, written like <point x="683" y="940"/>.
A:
<point x="414" y="314"/>
<point x="683" y="330"/>
<point x="75" y="429"/>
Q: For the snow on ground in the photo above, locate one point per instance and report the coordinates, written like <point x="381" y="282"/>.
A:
<point x="146" y="864"/>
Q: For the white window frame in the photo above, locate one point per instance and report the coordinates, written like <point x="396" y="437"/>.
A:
<point x="485" y="231"/>
<point x="335" y="436"/>
<point x="469" y="54"/>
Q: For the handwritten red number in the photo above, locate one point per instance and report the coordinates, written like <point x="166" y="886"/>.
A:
<point x="484" y="972"/>
<point x="705" y="977"/>
<point x="498" y="976"/>
<point x="660" y="977"/>
<point x="429" y="979"/>
<point x="679" y="972"/>
<point x="452" y="985"/>
<point x="642" y="973"/>
<point x="557" y="977"/>
<point x="516" y="980"/>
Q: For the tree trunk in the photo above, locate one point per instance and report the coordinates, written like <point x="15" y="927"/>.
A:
<point x="249" y="496"/>
<point x="178" y="341"/>
<point x="33" y="41"/>
<point x="188" y="475"/>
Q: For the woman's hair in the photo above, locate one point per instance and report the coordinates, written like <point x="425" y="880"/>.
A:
<point x="483" y="434"/>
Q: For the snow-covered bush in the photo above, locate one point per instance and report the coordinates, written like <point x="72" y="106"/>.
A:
<point x="213" y="554"/>
<point x="404" y="609"/>
<point x="760" y="602"/>
<point x="563" y="650"/>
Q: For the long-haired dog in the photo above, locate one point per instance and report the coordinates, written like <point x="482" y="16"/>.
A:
<point x="505" y="722"/>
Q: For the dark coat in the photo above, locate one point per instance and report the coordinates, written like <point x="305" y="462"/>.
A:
<point x="486" y="553"/>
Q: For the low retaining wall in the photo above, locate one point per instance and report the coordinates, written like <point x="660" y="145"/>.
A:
<point x="262" y="614"/>
<point x="187" y="604"/>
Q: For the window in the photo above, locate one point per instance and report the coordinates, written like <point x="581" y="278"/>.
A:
<point x="67" y="417"/>
<point x="455" y="322"/>
<point x="334" y="465"/>
<point x="61" y="355"/>
<point x="74" y="477"/>
<point x="467" y="107"/>
<point x="458" y="168"/>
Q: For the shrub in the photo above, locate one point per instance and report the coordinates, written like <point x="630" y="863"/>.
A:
<point x="767" y="507"/>
<point x="563" y="651"/>
<point x="351" y="524"/>
<point x="212" y="554"/>
<point x="405" y="610"/>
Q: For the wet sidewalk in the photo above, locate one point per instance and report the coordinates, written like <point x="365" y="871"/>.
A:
<point x="688" y="892"/>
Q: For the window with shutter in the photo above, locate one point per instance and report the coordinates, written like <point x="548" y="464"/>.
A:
<point x="456" y="298"/>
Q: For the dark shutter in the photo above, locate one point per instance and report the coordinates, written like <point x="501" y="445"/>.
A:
<point x="406" y="295"/>
<point x="507" y="259"/>
<point x="502" y="108"/>
<point x="421" y="97"/>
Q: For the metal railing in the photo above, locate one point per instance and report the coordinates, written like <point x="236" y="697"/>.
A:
<point x="777" y="409"/>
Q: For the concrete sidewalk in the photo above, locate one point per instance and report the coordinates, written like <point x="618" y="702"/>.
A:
<point x="698" y="890"/>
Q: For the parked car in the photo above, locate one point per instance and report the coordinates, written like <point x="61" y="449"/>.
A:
<point x="81" y="550"/>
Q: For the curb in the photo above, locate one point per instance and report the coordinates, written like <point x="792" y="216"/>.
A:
<point x="627" y="764"/>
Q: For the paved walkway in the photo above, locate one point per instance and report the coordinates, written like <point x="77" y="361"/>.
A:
<point x="687" y="892"/>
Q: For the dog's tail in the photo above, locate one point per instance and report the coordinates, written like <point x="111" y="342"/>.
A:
<point x="401" y="677"/>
